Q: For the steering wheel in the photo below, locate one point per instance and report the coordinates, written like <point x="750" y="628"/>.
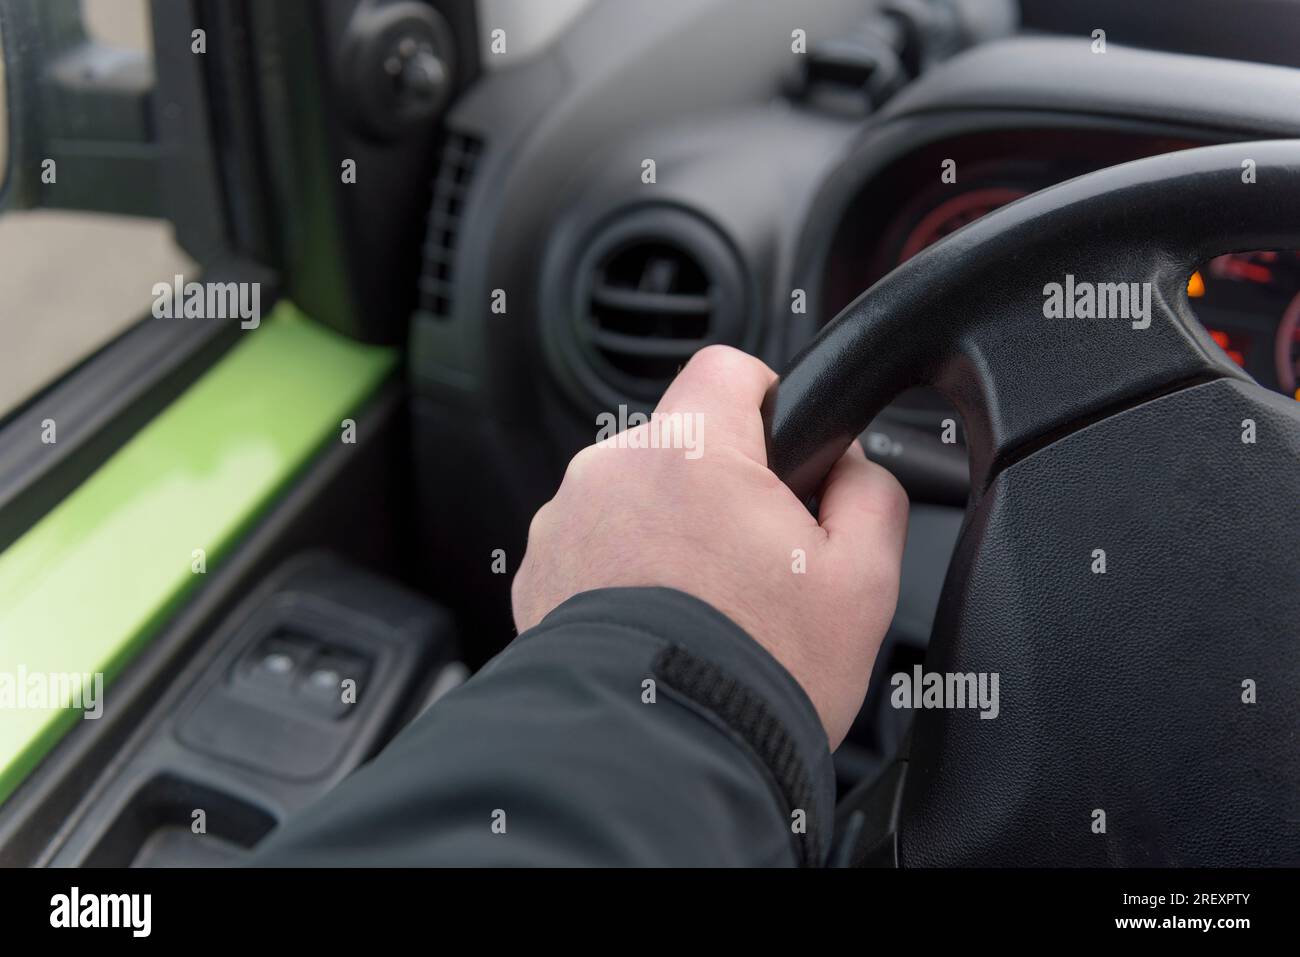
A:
<point x="1127" y="564"/>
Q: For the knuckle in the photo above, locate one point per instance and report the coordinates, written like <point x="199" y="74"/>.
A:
<point x="894" y="503"/>
<point x="518" y="586"/>
<point x="887" y="501"/>
<point x="582" y="465"/>
<point x="720" y="360"/>
<point x="541" y="521"/>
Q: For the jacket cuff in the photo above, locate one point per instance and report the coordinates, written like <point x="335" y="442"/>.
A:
<point x="712" y="666"/>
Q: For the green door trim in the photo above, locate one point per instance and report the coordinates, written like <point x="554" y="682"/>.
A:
<point x="84" y="589"/>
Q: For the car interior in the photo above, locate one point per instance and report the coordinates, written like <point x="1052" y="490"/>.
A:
<point x="477" y="226"/>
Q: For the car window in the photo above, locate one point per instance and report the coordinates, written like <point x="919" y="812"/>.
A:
<point x="72" y="281"/>
<point x="4" y="114"/>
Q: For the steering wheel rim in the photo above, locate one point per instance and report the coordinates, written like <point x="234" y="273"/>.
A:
<point x="1125" y="565"/>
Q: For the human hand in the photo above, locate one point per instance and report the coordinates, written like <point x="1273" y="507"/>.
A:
<point x="713" y="521"/>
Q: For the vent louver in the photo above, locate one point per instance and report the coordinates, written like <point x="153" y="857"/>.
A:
<point x="653" y="289"/>
<point x="456" y="165"/>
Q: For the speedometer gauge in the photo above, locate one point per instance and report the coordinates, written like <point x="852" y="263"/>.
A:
<point x="1287" y="349"/>
<point x="953" y="214"/>
<point x="1237" y="296"/>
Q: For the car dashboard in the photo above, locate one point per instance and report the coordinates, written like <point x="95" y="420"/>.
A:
<point x="633" y="209"/>
<point x="1249" y="301"/>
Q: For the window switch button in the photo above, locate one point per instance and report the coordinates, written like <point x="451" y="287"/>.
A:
<point x="332" y="683"/>
<point x="275" y="663"/>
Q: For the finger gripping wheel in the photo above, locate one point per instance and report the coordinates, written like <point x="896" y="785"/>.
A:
<point x="1101" y="419"/>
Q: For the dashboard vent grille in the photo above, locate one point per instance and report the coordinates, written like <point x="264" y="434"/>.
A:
<point x="456" y="166"/>
<point x="652" y="290"/>
<point x="650" y="308"/>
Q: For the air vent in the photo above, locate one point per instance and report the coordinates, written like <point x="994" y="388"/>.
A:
<point x="651" y="289"/>
<point x="460" y="154"/>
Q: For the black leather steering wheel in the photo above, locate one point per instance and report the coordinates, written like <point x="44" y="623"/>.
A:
<point x="1163" y="691"/>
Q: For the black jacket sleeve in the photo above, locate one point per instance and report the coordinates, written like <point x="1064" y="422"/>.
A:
<point x="632" y="726"/>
